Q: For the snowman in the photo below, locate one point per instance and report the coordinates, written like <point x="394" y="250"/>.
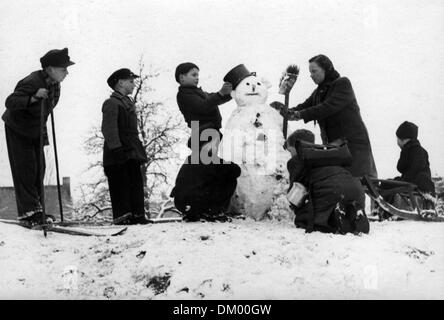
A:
<point x="254" y="140"/>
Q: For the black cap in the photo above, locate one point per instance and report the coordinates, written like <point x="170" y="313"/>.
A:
<point x="237" y="74"/>
<point x="407" y="130"/>
<point x="56" y="58"/>
<point x="123" y="73"/>
<point x="183" y="68"/>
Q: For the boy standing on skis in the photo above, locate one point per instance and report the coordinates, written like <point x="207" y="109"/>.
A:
<point x="40" y="89"/>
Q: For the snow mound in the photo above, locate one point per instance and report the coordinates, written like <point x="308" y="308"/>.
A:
<point x="239" y="260"/>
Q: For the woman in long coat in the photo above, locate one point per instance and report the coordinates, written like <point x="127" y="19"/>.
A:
<point x="333" y="105"/>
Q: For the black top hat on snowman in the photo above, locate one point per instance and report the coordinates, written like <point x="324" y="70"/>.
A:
<point x="237" y="74"/>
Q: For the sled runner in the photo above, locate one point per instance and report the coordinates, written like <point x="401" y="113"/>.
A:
<point x="412" y="204"/>
<point x="79" y="230"/>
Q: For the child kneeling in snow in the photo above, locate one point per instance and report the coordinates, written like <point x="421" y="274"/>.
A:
<point x="203" y="188"/>
<point x="335" y="200"/>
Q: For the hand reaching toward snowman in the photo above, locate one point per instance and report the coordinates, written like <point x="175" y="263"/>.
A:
<point x="280" y="107"/>
<point x="226" y="89"/>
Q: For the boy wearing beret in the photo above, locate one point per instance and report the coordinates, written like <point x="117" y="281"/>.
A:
<point x="123" y="152"/>
<point x="413" y="163"/>
<point x="40" y="89"/>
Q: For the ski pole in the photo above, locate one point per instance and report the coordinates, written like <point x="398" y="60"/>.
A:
<point x="57" y="165"/>
<point x="285" y="124"/>
<point x="41" y="161"/>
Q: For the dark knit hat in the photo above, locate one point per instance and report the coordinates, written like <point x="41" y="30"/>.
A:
<point x="56" y="58"/>
<point x="184" y="68"/>
<point x="407" y="130"/>
<point x="301" y="134"/>
<point x="123" y="73"/>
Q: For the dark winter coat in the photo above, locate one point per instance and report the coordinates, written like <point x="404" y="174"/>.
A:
<point x="22" y="116"/>
<point x="205" y="186"/>
<point x="119" y="128"/>
<point x="197" y="105"/>
<point x="414" y="166"/>
<point x="327" y="186"/>
<point x="334" y="106"/>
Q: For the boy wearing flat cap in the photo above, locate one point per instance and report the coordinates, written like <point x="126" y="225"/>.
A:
<point x="40" y="89"/>
<point x="123" y="152"/>
<point x="413" y="163"/>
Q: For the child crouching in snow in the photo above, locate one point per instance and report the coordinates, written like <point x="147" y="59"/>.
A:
<point x="335" y="200"/>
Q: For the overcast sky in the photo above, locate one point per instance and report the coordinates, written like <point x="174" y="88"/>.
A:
<point x="392" y="51"/>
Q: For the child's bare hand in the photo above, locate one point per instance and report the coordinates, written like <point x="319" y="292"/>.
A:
<point x="226" y="89"/>
<point x="41" y="93"/>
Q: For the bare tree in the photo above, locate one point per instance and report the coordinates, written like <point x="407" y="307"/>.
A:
<point x="160" y="131"/>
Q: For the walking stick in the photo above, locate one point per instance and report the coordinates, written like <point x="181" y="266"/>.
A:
<point x="57" y="165"/>
<point x="288" y="79"/>
<point x="41" y="161"/>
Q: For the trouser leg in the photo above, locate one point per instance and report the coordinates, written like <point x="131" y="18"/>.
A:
<point x="119" y="189"/>
<point x="27" y="172"/>
<point x="136" y="187"/>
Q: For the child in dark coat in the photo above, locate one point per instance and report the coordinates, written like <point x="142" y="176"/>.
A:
<point x="123" y="153"/>
<point x="413" y="163"/>
<point x="414" y="166"/>
<point x="23" y="130"/>
<point x="199" y="108"/>
<point x="203" y="188"/>
<point x="335" y="202"/>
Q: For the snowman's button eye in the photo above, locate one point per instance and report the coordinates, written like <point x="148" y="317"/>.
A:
<point x="258" y="83"/>
<point x="248" y="83"/>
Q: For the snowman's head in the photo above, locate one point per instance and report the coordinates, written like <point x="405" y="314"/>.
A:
<point x="251" y="91"/>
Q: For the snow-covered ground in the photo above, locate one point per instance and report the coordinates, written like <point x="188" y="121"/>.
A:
<point x="238" y="260"/>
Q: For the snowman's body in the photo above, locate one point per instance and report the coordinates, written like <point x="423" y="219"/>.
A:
<point x="254" y="140"/>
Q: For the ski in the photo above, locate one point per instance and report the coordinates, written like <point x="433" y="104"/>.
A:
<point x="68" y="223"/>
<point x="372" y="192"/>
<point x="77" y="231"/>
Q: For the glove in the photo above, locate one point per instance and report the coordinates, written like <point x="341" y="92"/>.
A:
<point x="297" y="116"/>
<point x="279" y="106"/>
